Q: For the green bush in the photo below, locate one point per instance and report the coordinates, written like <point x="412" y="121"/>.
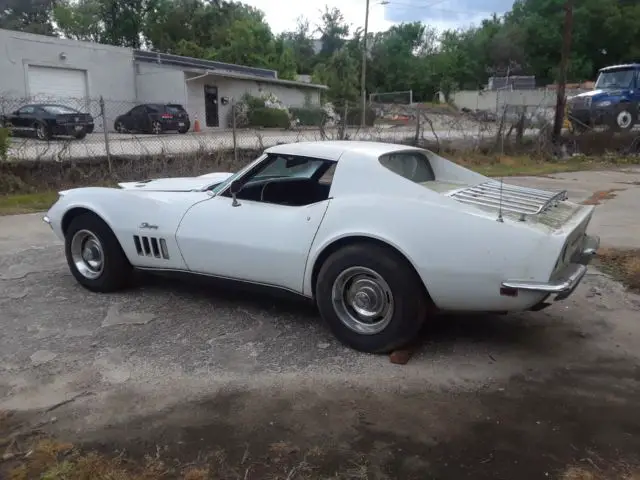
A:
<point x="268" y="118"/>
<point x="5" y="142"/>
<point x="309" y="116"/>
<point x="354" y="117"/>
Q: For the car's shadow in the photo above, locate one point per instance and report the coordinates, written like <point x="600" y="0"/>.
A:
<point x="442" y="333"/>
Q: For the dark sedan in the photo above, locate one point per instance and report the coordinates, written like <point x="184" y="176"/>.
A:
<point x="49" y="120"/>
<point x="154" y="118"/>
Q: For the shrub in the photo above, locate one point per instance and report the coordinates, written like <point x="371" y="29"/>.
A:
<point x="354" y="116"/>
<point x="5" y="142"/>
<point x="268" y="118"/>
<point x="309" y="116"/>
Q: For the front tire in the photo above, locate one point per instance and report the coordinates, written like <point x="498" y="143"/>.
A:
<point x="623" y="120"/>
<point x="42" y="131"/>
<point x="371" y="298"/>
<point x="95" y="256"/>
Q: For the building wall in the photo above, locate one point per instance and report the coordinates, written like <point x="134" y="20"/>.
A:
<point x="109" y="69"/>
<point x="235" y="89"/>
<point x="495" y="100"/>
<point x="160" y="84"/>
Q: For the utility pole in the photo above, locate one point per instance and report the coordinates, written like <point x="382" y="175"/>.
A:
<point x="562" y="74"/>
<point x="363" y="77"/>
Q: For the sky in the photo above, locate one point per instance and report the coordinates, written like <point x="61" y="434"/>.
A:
<point x="440" y="14"/>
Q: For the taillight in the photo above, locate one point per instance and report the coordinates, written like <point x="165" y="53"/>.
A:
<point x="167" y="116"/>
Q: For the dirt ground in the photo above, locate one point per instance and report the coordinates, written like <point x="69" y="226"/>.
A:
<point x="186" y="371"/>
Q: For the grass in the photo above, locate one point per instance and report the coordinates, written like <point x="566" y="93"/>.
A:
<point x="27" y="202"/>
<point x="623" y="265"/>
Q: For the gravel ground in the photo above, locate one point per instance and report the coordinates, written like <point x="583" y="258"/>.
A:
<point x="195" y="366"/>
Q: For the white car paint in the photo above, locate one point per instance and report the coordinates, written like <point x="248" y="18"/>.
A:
<point x="462" y="253"/>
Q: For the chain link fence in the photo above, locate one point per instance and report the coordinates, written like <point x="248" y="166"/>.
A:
<point x="119" y="129"/>
<point x="125" y="129"/>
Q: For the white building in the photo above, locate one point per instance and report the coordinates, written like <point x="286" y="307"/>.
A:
<point x="41" y="68"/>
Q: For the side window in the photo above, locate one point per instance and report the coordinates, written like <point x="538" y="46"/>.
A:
<point x="412" y="166"/>
<point x="26" y="110"/>
<point x="139" y="110"/>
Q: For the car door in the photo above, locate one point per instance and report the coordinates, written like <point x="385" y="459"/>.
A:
<point x="258" y="242"/>
<point x="255" y="242"/>
<point x="24" y="119"/>
<point x="137" y="118"/>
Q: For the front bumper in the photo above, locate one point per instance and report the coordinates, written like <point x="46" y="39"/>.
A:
<point x="565" y="282"/>
<point x="591" y="117"/>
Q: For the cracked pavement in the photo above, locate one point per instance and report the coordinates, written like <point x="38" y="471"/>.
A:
<point x="159" y="352"/>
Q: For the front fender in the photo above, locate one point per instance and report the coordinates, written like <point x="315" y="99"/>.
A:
<point x="125" y="212"/>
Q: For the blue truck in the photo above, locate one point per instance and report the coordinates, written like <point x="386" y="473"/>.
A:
<point x="614" y="101"/>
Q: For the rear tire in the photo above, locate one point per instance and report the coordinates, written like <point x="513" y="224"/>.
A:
<point x="183" y="130"/>
<point x="361" y="282"/>
<point x="119" y="126"/>
<point x="80" y="135"/>
<point x="156" y="128"/>
<point x="95" y="256"/>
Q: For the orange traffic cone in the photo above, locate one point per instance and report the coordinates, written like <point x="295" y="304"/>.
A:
<point x="196" y="125"/>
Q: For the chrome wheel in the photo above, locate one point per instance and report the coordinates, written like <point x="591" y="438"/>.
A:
<point x="41" y="132"/>
<point x="362" y="300"/>
<point x="120" y="128"/>
<point x="87" y="254"/>
<point x="156" y="128"/>
<point x="624" y="119"/>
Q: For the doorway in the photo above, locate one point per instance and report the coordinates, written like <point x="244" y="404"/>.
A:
<point x="211" y="106"/>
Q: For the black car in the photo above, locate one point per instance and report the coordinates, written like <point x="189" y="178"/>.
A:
<point x="154" y="118"/>
<point x="49" y="120"/>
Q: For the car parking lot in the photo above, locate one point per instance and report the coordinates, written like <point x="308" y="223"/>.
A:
<point x="514" y="396"/>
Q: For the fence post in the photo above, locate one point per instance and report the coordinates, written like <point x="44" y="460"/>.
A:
<point x="342" y="133"/>
<point x="105" y="128"/>
<point x="233" y="130"/>
<point x="417" y="139"/>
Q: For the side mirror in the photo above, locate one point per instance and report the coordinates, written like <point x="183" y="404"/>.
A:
<point x="234" y="189"/>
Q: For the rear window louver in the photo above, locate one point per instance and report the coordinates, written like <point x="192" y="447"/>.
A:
<point x="151" y="247"/>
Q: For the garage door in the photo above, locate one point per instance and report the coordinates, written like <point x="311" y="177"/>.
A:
<point x="57" y="84"/>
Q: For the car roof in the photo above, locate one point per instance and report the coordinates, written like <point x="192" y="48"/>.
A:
<point x="333" y="150"/>
<point x="620" y="67"/>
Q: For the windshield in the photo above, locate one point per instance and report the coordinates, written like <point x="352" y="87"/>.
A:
<point x="282" y="166"/>
<point x="58" y="109"/>
<point x="615" y="79"/>
<point x="221" y="186"/>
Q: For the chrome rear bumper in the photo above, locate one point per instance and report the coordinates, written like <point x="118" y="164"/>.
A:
<point x="565" y="282"/>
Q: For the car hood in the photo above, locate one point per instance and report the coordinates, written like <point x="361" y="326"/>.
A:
<point x="177" y="184"/>
<point x="599" y="94"/>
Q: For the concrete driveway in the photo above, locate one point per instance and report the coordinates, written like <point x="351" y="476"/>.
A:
<point x="199" y="366"/>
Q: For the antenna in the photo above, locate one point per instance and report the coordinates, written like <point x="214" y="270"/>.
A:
<point x="499" y="219"/>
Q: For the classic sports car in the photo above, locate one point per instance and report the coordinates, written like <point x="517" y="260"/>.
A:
<point x="378" y="235"/>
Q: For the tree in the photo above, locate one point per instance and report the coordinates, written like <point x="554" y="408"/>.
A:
<point x="333" y="32"/>
<point x="302" y="46"/>
<point x="80" y="20"/>
<point x="31" y="16"/>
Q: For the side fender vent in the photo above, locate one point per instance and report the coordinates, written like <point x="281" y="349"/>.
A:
<point x="151" y="247"/>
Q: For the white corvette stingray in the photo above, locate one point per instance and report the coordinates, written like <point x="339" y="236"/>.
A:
<point x="378" y="235"/>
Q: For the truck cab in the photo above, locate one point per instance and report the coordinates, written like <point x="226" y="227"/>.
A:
<point x="613" y="102"/>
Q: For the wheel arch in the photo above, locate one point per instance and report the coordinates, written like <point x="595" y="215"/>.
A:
<point x="75" y="212"/>
<point x="342" y="242"/>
